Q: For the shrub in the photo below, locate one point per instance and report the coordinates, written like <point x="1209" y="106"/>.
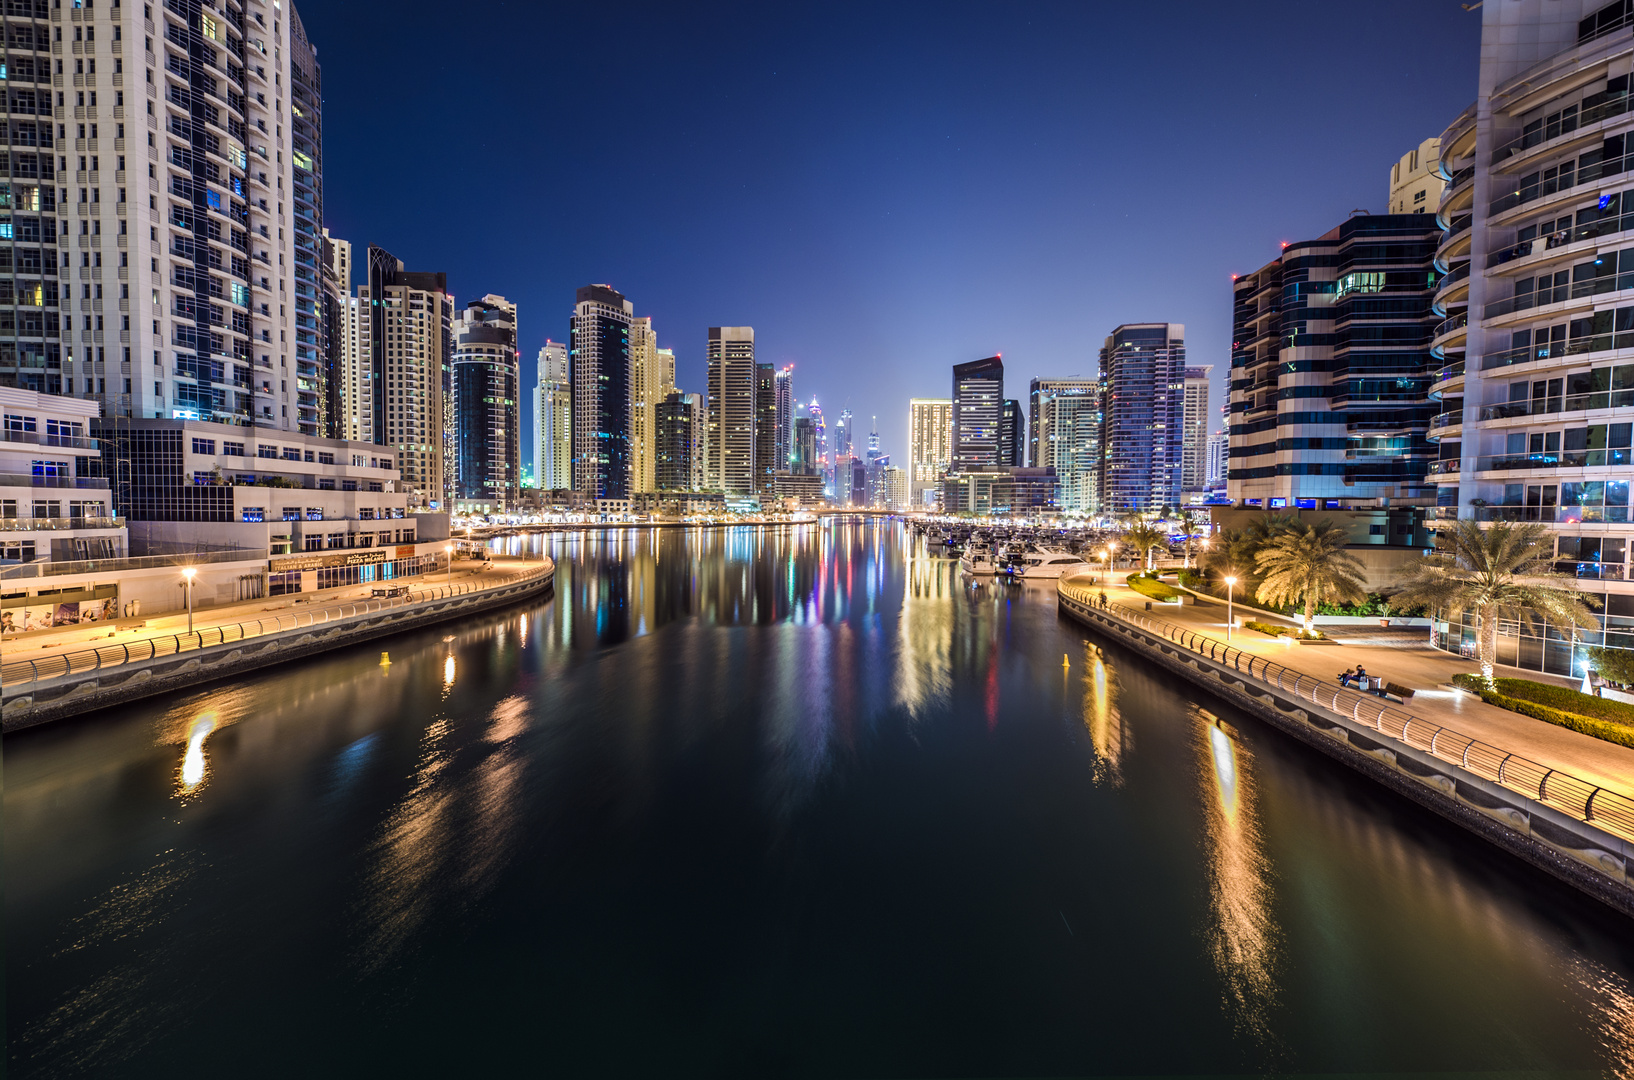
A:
<point x="1614" y="664"/>
<point x="1279" y="631"/>
<point x="1569" y="717"/>
<point x="1148" y="585"/>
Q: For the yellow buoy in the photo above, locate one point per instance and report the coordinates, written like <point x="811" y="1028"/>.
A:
<point x="385" y="659"/>
<point x="1064" y="661"/>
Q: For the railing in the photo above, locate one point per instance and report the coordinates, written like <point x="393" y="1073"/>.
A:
<point x="29" y="672"/>
<point x="1560" y="459"/>
<point x="1450" y="372"/>
<point x="1572" y="515"/>
<point x="1448" y="325"/>
<point x="1577" y="346"/>
<point x="1453" y="276"/>
<point x="139" y="562"/>
<point x="1578" y="799"/>
<point x="58" y="524"/>
<point x="1455" y="227"/>
<point x="1447" y="419"/>
<point x="45" y="438"/>
<point x="87" y="483"/>
<point x="1568" y="177"/>
<point x="1461" y="177"/>
<point x="1605" y="399"/>
<point x="1443" y="467"/>
<point x="1588" y="114"/>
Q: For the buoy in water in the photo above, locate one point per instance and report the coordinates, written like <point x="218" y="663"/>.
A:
<point x="385" y="659"/>
<point x="1064" y="661"/>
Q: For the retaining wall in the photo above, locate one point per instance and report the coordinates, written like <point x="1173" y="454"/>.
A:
<point x="1578" y="832"/>
<point x="94" y="679"/>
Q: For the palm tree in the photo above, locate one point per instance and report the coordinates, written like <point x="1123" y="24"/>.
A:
<point x="1188" y="522"/>
<point x="1505" y="569"/>
<point x="1142" y="538"/>
<point x="1309" y="564"/>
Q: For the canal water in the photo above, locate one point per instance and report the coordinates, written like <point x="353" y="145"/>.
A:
<point x="737" y="802"/>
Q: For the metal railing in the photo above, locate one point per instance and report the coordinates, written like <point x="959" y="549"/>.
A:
<point x="22" y="673"/>
<point x="58" y="524"/>
<point x="1578" y="799"/>
<point x="45" y="438"/>
<point x="1600" y="399"/>
<point x="84" y="483"/>
<point x="138" y="562"/>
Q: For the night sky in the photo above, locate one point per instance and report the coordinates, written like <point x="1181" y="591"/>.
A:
<point x="880" y="190"/>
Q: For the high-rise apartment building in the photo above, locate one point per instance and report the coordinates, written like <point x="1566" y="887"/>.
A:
<point x="652" y="380"/>
<point x="553" y="420"/>
<point x="314" y="292"/>
<point x="1143" y="416"/>
<point x="733" y="379"/>
<point x="409" y="334"/>
<point x="930" y="446"/>
<point x="1011" y="435"/>
<point x="349" y="373"/>
<point x="487" y="412"/>
<point x="766" y="457"/>
<point x="786" y="411"/>
<point x="1066" y="436"/>
<point x="1219" y="462"/>
<point x="1536" y="398"/>
<point x="1331" y="367"/>
<point x="680" y="423"/>
<point x="978" y="408"/>
<point x="1416" y="180"/>
<point x="1040" y="391"/>
<point x="162" y="284"/>
<point x="599" y="361"/>
<point x="1194" y="443"/>
<point x="803" y="458"/>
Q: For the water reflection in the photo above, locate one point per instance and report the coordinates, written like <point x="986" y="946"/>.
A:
<point x="194" y="765"/>
<point x="1101" y="716"/>
<point x="1241" y="933"/>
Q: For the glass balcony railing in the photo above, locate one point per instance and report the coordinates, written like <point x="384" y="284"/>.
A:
<point x="1448" y="325"/>
<point x="1567" y="124"/>
<point x="45" y="438"/>
<point x="84" y="483"/>
<point x="58" y="524"/>
<point x="1567" y="177"/>
<point x="1450" y="372"/>
<point x="1443" y="467"/>
<point x="1559" y="294"/>
<point x="1594" y="515"/>
<point x="1605" y="399"/>
<point x="1446" y="420"/>
<point x="1575" y="347"/>
<point x="1560" y="459"/>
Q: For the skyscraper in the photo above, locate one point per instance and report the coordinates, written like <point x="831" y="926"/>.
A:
<point x="785" y="417"/>
<point x="767" y="461"/>
<point x="978" y="407"/>
<point x="733" y="380"/>
<point x="553" y="419"/>
<point x="930" y="445"/>
<point x="600" y="369"/>
<point x="409" y="316"/>
<point x="1143" y="416"/>
<point x="653" y="378"/>
<point x="1010" y="434"/>
<point x="310" y="341"/>
<point x="350" y="375"/>
<point x="173" y="288"/>
<point x="843" y="435"/>
<point x="803" y="459"/>
<point x="487" y="378"/>
<point x="678" y="440"/>
<point x="1331" y="367"/>
<point x="1535" y="391"/>
<point x="1194" y="443"/>
<point x="1066" y="436"/>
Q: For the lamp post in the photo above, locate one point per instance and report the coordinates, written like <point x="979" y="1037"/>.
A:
<point x="1231" y="583"/>
<point x="449" y="550"/>
<point x="1111" y="549"/>
<point x="187" y="580"/>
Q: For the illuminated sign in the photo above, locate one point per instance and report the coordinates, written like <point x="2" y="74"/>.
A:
<point x="363" y="557"/>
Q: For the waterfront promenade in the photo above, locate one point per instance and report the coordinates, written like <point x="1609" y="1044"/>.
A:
<point x="1408" y="660"/>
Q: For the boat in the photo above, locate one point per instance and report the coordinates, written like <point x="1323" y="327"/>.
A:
<point x="1046" y="563"/>
<point x="978" y="559"/>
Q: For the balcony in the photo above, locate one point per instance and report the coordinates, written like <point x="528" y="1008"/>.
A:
<point x="1567" y="177"/>
<point x="1446" y="420"/>
<point x="1571" y="515"/>
<point x="1605" y="399"/>
<point x="36" y="438"/>
<point x="1563" y="130"/>
<point x="1455" y="241"/>
<point x="59" y="524"/>
<point x="1452" y="330"/>
<point x="1559" y="459"/>
<point x="1443" y="467"/>
<point x="82" y="483"/>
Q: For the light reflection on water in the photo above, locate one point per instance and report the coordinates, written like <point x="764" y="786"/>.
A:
<point x="734" y="786"/>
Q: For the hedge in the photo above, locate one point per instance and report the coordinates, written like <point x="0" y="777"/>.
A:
<point x="1573" y="718"/>
<point x="1279" y="631"/>
<point x="1151" y="587"/>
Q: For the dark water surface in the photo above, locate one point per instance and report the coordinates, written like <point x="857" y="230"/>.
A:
<point x="743" y="803"/>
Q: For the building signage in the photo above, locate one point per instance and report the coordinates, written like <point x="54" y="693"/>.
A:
<point x="405" y="551"/>
<point x="340" y="558"/>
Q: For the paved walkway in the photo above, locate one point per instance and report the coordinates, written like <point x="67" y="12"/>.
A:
<point x="42" y="644"/>
<point x="1406" y="658"/>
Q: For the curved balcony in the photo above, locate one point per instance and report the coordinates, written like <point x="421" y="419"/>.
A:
<point x="1443" y="467"/>
<point x="1540" y="192"/>
<point x="1455" y="241"/>
<point x="1560" y="459"/>
<point x="1459" y="193"/>
<point x="1559" y="294"/>
<point x="1447" y="425"/>
<point x="1570" y="125"/>
<point x="1458" y="141"/>
<point x="1449" y="380"/>
<point x="1452" y="332"/>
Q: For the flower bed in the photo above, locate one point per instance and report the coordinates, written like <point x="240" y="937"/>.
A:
<point x="1151" y="587"/>
<point x="1612" y="721"/>
<point x="1283" y="631"/>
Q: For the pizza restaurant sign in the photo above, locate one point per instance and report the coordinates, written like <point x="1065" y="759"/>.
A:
<point x="320" y="562"/>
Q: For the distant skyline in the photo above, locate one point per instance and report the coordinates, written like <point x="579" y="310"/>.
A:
<point x="882" y="192"/>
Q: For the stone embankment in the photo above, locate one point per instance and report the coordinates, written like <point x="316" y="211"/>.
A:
<point x="69" y="683"/>
<point x="1580" y="832"/>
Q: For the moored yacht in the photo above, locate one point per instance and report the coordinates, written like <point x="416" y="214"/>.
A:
<point x="1046" y="563"/>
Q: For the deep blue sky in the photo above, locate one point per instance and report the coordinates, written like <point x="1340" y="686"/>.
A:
<point x="880" y="190"/>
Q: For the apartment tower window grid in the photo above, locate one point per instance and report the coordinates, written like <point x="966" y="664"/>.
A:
<point x="487" y="462"/>
<point x="1144" y="410"/>
<point x="978" y="405"/>
<point x="733" y="381"/>
<point x="601" y="374"/>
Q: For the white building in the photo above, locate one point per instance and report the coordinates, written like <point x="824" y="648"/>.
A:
<point x="171" y="212"/>
<point x="730" y="435"/>
<point x="55" y="505"/>
<point x="930" y="447"/>
<point x="1194" y="442"/>
<point x="553" y="420"/>
<point x="1416" y="180"/>
<point x="1537" y="382"/>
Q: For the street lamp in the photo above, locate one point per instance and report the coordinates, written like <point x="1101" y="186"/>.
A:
<point x="1111" y="549"/>
<point x="449" y="550"/>
<point x="1231" y="583"/>
<point x="187" y="578"/>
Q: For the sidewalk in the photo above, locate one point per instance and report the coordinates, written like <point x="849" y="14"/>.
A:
<point x="43" y="644"/>
<point x="1411" y="662"/>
